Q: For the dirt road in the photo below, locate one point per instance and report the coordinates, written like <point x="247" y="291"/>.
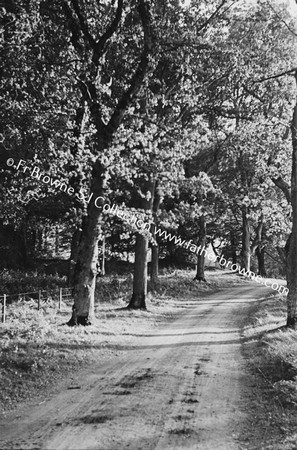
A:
<point x="184" y="387"/>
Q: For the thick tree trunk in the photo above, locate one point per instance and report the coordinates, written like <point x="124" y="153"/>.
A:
<point x="141" y="249"/>
<point x="260" y="253"/>
<point x="201" y="254"/>
<point x="246" y="251"/>
<point x="73" y="255"/>
<point x="87" y="260"/>
<point x="140" y="273"/>
<point x="292" y="280"/>
<point x="75" y="181"/>
<point x="200" y="276"/>
<point x="292" y="251"/>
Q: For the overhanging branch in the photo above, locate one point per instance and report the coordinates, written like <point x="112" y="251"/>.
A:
<point x="83" y="24"/>
<point x="72" y="25"/>
<point x="282" y="20"/>
<point x="78" y="25"/>
<point x="212" y="16"/>
<point x="142" y="69"/>
<point x="284" y="186"/>
<point x="100" y="45"/>
<point x="278" y="75"/>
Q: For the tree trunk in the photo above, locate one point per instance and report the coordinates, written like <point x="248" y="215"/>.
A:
<point x="73" y="255"/>
<point x="200" y="276"/>
<point x="233" y="248"/>
<point x="292" y="251"/>
<point x="154" y="265"/>
<point x="103" y="257"/>
<point x="141" y="248"/>
<point x="245" y="252"/>
<point x="257" y="244"/>
<point x="201" y="254"/>
<point x="155" y="248"/>
<point x="87" y="260"/>
<point x="140" y="273"/>
<point x="260" y="253"/>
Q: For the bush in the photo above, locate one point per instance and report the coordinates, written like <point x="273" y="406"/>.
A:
<point x="17" y="281"/>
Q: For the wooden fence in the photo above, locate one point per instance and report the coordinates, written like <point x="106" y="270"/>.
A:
<point x="39" y="296"/>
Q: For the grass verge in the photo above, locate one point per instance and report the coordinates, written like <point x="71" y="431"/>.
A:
<point x="271" y="351"/>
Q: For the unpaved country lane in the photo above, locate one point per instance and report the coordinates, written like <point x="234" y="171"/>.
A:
<point x="186" y="386"/>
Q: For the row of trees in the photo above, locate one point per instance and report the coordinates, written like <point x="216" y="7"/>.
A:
<point x="180" y="112"/>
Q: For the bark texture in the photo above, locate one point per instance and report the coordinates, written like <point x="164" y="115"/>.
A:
<point x="200" y="276"/>
<point x="73" y="256"/>
<point x="140" y="274"/>
<point x="87" y="259"/>
<point x="155" y="265"/>
<point x="292" y="250"/>
<point x="246" y="250"/>
<point x="260" y="253"/>
<point x="102" y="269"/>
<point x="155" y="248"/>
<point x="233" y="247"/>
<point x="258" y="247"/>
<point x="141" y="249"/>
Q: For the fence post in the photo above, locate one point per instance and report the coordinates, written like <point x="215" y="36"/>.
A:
<point x="4" y="309"/>
<point x="60" y="299"/>
<point x="39" y="300"/>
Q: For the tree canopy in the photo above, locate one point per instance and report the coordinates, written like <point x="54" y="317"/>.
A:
<point x="179" y="112"/>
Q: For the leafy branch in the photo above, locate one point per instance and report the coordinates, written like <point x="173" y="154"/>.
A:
<point x="143" y="66"/>
<point x="278" y="75"/>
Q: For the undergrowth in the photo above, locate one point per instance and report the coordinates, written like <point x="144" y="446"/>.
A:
<point x="274" y="357"/>
<point x="17" y="281"/>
